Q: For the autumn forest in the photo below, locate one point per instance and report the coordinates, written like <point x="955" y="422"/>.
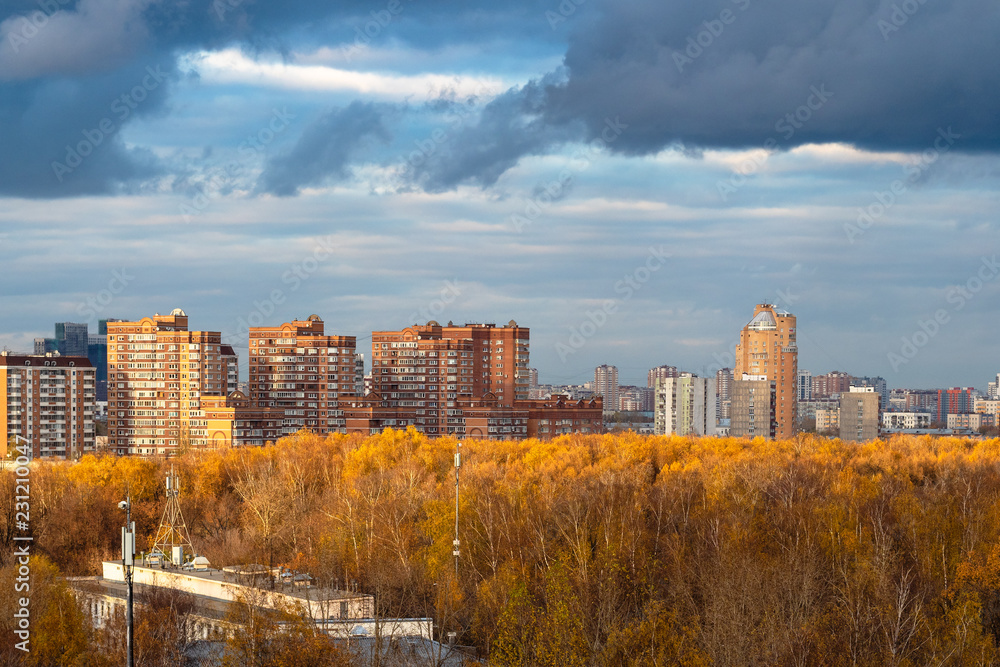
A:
<point x="583" y="550"/>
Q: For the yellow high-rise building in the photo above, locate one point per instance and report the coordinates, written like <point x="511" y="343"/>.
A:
<point x="767" y="351"/>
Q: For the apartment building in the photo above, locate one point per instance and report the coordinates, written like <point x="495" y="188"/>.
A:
<point x="158" y="372"/>
<point x="859" y="414"/>
<point x="48" y="400"/>
<point x="767" y="352"/>
<point x="423" y="370"/>
<point x="308" y="375"/>
<point x="685" y="405"/>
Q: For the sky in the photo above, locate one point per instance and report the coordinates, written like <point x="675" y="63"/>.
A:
<point x="628" y="178"/>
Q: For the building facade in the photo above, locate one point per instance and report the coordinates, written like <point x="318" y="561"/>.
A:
<point x="49" y="401"/>
<point x="768" y="351"/>
<point x="685" y="405"/>
<point x="754" y="410"/>
<point x="957" y="401"/>
<point x="425" y="369"/>
<point x="723" y="389"/>
<point x="660" y="373"/>
<point x="831" y="385"/>
<point x="905" y="420"/>
<point x="234" y="421"/>
<point x="158" y="372"/>
<point x="606" y="385"/>
<point x="308" y="375"/>
<point x="859" y="414"/>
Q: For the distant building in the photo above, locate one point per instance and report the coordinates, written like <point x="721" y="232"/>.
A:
<point x="723" y="390"/>
<point x="230" y="367"/>
<point x="685" y="405"/>
<point x="635" y="399"/>
<point x="993" y="388"/>
<point x="831" y="385"/>
<point x="859" y="414"/>
<point x="560" y="415"/>
<point x="359" y="374"/>
<point x="49" y="400"/>
<point x="880" y="386"/>
<point x="606" y="385"/>
<point x="828" y="420"/>
<point x="660" y="373"/>
<point x="754" y="413"/>
<point x="960" y="400"/>
<point x="905" y="420"/>
<point x="810" y="409"/>
<point x="805" y="385"/>
<point x="767" y="352"/>
<point x="70" y="340"/>
<point x="921" y="400"/>
<point x="990" y="406"/>
<point x="974" y="421"/>
<point x="533" y="391"/>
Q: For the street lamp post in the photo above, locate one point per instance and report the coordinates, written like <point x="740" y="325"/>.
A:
<point x="128" y="562"/>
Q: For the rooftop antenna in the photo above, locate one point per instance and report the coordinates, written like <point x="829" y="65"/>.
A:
<point x="173" y="532"/>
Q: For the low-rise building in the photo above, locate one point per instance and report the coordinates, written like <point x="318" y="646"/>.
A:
<point x="905" y="420"/>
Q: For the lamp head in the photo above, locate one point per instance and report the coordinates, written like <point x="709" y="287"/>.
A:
<point x="123" y="505"/>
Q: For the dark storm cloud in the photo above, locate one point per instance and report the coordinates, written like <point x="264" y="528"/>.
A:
<point x="738" y="73"/>
<point x="511" y="126"/>
<point x="324" y="151"/>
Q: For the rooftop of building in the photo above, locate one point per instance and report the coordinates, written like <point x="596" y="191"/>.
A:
<point x="51" y="359"/>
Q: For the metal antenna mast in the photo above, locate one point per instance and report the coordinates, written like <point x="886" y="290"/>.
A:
<point x="173" y="531"/>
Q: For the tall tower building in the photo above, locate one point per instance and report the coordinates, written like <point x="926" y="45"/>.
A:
<point x="47" y="400"/>
<point x="606" y="385"/>
<point x="767" y="351"/>
<point x="158" y="371"/>
<point x="297" y="368"/>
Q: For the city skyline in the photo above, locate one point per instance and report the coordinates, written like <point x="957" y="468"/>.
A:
<point x="636" y="375"/>
<point x="625" y="178"/>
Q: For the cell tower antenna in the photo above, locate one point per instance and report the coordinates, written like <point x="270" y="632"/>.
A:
<point x="173" y="531"/>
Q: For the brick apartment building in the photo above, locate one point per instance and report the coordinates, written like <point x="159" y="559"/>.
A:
<point x="158" y="372"/>
<point x="49" y="401"/>
<point x="298" y="369"/>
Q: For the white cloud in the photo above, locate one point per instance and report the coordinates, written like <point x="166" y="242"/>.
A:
<point x="231" y="67"/>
